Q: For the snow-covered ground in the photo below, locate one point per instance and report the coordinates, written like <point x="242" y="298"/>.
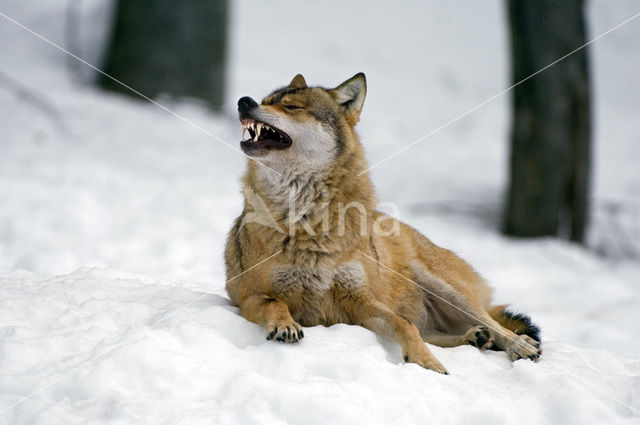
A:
<point x="147" y="364"/>
<point x="112" y="308"/>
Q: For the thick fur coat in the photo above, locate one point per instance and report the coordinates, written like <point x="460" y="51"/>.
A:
<point x="311" y="249"/>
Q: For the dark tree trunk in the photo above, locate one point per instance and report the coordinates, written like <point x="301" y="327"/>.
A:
<point x="169" y="47"/>
<point x="550" y="135"/>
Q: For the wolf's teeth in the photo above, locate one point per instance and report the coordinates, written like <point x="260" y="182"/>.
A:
<point x="244" y="130"/>
<point x="258" y="128"/>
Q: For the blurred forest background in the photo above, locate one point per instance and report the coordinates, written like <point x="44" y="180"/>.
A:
<point x="487" y="125"/>
<point x="155" y="48"/>
<point x="184" y="49"/>
<point x="536" y="185"/>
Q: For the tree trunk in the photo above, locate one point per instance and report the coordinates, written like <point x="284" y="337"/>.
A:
<point x="551" y="131"/>
<point x="169" y="47"/>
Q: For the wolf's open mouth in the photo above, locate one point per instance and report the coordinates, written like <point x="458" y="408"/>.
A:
<point x="263" y="136"/>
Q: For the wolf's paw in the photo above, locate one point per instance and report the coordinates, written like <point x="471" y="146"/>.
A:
<point x="427" y="361"/>
<point x="480" y="337"/>
<point x="523" y="347"/>
<point x="284" y="331"/>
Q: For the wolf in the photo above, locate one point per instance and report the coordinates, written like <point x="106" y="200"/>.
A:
<point x="325" y="255"/>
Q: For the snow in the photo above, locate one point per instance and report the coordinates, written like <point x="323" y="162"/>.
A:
<point x="112" y="307"/>
<point x="160" y="353"/>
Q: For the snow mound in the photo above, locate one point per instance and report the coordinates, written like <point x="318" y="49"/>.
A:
<point x="106" y="346"/>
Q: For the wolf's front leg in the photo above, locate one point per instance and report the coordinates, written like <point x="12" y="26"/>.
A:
<point x="274" y="315"/>
<point x="378" y="318"/>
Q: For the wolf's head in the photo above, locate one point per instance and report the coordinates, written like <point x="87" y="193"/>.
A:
<point x="300" y="126"/>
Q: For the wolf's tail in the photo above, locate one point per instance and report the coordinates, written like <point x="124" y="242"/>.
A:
<point x="519" y="323"/>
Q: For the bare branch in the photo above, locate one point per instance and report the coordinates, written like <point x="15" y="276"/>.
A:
<point x="35" y="99"/>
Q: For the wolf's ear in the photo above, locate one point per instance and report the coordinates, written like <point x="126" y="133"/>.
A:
<point x="350" y="96"/>
<point x="298" y="82"/>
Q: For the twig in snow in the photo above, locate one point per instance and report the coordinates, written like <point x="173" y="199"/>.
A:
<point x="35" y="99"/>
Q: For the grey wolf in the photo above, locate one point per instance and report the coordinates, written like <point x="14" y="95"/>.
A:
<point x="340" y="260"/>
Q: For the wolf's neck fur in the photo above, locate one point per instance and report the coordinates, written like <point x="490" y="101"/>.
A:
<point x="316" y="199"/>
<point x="294" y="190"/>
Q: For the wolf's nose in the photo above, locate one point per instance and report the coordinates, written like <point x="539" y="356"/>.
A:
<point x="246" y="103"/>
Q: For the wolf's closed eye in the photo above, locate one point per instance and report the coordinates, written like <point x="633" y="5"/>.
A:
<point x="292" y="107"/>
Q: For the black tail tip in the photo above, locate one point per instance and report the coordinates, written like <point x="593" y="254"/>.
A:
<point x="528" y="327"/>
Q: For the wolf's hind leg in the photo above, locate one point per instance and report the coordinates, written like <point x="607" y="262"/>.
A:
<point x="522" y="347"/>
<point x="477" y="336"/>
<point x="378" y="318"/>
<point x="516" y="346"/>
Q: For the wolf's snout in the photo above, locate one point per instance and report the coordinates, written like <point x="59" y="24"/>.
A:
<point x="245" y="104"/>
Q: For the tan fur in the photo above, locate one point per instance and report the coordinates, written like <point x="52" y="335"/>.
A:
<point x="498" y="314"/>
<point x="370" y="280"/>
